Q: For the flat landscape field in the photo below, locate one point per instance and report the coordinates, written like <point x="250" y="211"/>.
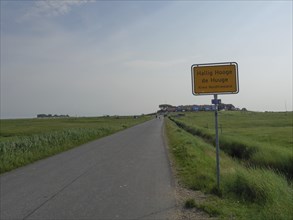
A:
<point x="261" y="139"/>
<point x="269" y="128"/>
<point x="256" y="161"/>
<point x="23" y="141"/>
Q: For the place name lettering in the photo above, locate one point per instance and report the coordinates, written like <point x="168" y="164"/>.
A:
<point x="222" y="80"/>
<point x="216" y="72"/>
<point x="223" y="72"/>
<point x="215" y="80"/>
<point x="205" y="73"/>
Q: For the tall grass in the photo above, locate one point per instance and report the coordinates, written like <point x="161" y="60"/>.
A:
<point x="245" y="148"/>
<point x="245" y="192"/>
<point x="21" y="150"/>
<point x="25" y="141"/>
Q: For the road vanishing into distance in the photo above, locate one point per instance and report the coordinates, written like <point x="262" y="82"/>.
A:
<point x="123" y="176"/>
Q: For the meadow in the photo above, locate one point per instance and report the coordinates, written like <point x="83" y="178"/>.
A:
<point x="258" y="139"/>
<point x="252" y="187"/>
<point x="23" y="141"/>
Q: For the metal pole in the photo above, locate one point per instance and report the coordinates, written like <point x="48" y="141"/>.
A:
<point x="217" y="141"/>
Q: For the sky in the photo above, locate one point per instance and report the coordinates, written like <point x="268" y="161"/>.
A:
<point x="93" y="58"/>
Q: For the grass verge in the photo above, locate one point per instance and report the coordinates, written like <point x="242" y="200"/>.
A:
<point x="246" y="192"/>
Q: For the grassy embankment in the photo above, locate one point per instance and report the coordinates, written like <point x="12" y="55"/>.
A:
<point x="24" y="141"/>
<point x="249" y="189"/>
<point x="258" y="139"/>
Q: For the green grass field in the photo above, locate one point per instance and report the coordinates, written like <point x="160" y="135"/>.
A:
<point x="259" y="139"/>
<point x="23" y="141"/>
<point x="249" y="189"/>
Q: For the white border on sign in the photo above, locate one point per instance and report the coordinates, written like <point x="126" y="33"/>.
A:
<point x="215" y="64"/>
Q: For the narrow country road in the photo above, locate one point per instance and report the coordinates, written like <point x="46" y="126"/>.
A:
<point x="122" y="176"/>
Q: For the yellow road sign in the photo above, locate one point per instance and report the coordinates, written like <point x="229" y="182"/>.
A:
<point x="219" y="78"/>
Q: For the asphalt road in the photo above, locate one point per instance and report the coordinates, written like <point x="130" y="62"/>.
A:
<point x="122" y="176"/>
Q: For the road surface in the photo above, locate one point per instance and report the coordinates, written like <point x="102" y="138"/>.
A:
<point x="122" y="176"/>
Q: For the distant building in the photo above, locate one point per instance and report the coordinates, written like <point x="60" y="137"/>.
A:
<point x="195" y="108"/>
<point x="52" y="116"/>
<point x="165" y="108"/>
<point x="227" y="107"/>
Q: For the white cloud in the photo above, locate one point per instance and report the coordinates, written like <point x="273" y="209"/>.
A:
<point x="51" y="8"/>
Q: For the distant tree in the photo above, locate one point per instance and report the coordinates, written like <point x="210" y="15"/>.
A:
<point x="164" y="106"/>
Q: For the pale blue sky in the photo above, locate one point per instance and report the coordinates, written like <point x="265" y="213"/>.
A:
<point x="90" y="58"/>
